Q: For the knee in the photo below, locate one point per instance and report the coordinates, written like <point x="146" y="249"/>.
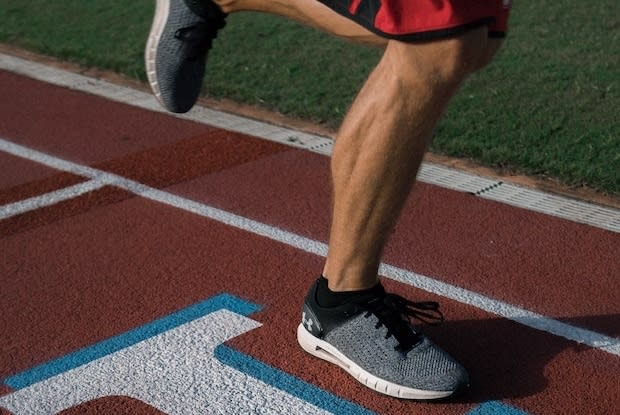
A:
<point x="445" y="62"/>
<point x="466" y="54"/>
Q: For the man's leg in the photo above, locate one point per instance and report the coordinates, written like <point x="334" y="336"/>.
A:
<point x="377" y="153"/>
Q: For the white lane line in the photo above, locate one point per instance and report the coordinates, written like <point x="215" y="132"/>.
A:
<point x="520" y="315"/>
<point x="49" y="199"/>
<point x="527" y="318"/>
<point x="489" y="188"/>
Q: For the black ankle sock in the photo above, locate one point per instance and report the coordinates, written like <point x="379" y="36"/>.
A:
<point x="328" y="298"/>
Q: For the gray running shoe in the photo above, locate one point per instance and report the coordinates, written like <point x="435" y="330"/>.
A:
<point x="181" y="35"/>
<point x="372" y="339"/>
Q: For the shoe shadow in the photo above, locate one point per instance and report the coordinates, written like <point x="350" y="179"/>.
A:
<point x="506" y="359"/>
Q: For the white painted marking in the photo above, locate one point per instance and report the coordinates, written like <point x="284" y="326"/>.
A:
<point x="175" y="372"/>
<point x="518" y="314"/>
<point x="49" y="199"/>
<point x="554" y="205"/>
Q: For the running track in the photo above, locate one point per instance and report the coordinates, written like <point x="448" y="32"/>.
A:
<point x="153" y="264"/>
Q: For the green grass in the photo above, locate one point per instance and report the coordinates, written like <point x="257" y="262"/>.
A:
<point x="548" y="106"/>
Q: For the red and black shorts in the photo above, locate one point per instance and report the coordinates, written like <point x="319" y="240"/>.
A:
<point x="411" y="20"/>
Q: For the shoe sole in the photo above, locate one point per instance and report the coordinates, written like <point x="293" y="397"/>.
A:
<point x="162" y="10"/>
<point x="326" y="351"/>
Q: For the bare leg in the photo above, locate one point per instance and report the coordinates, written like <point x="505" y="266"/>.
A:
<point x="384" y="136"/>
<point x="310" y="13"/>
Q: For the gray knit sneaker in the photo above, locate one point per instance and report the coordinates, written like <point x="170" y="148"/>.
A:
<point x="181" y="36"/>
<point x="372" y="339"/>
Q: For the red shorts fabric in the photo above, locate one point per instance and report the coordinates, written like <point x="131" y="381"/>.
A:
<point x="425" y="19"/>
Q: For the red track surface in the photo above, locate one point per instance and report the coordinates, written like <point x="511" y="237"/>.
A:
<point x="84" y="270"/>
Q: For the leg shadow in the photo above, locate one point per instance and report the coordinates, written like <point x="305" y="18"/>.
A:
<point x="506" y="359"/>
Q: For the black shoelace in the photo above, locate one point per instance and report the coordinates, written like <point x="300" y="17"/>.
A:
<point x="200" y="36"/>
<point x="394" y="312"/>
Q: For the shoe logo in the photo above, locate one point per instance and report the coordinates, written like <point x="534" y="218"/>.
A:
<point x="307" y="322"/>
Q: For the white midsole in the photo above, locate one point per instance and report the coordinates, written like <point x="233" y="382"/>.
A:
<point x="326" y="351"/>
<point x="162" y="10"/>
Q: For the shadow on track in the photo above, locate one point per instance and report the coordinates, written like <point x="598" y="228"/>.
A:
<point x="507" y="360"/>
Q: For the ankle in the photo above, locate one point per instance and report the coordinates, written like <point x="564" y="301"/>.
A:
<point x="350" y="278"/>
<point x="326" y="297"/>
<point x="344" y="283"/>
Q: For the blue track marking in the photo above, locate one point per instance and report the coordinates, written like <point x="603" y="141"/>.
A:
<point x="127" y="339"/>
<point x="288" y="383"/>
<point x="496" y="408"/>
<point x="225" y="354"/>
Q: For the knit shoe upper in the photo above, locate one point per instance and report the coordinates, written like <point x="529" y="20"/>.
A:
<point x="373" y="340"/>
<point x="181" y="35"/>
